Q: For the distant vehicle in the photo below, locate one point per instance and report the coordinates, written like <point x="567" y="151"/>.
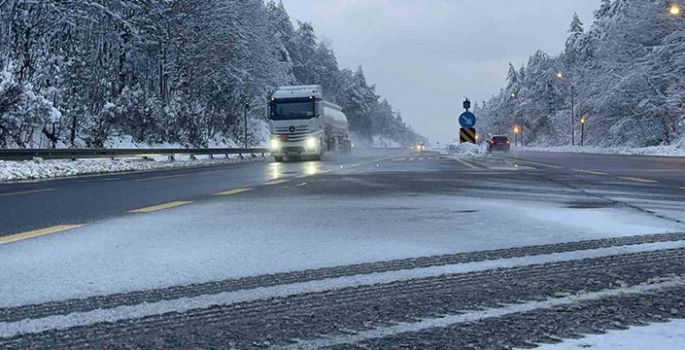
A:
<point x="499" y="143"/>
<point x="421" y="146"/>
<point x="303" y="125"/>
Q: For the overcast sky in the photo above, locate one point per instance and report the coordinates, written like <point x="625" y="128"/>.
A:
<point x="425" y="55"/>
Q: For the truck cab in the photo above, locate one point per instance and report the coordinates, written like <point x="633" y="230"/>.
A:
<point x="303" y="125"/>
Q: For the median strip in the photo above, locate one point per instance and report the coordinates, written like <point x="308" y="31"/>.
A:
<point x="159" y="207"/>
<point x="232" y="192"/>
<point x="25" y="192"/>
<point x="640" y="180"/>
<point x="36" y="233"/>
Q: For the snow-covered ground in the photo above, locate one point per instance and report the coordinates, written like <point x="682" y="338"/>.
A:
<point x="466" y="150"/>
<point x="677" y="150"/>
<point x="661" y="336"/>
<point x="243" y="236"/>
<point x="46" y="169"/>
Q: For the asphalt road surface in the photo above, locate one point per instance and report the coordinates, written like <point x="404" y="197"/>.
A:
<point x="383" y="249"/>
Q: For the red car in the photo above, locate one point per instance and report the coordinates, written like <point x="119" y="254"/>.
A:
<point x="499" y="143"/>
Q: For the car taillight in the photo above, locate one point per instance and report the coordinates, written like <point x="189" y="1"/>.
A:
<point x="508" y="142"/>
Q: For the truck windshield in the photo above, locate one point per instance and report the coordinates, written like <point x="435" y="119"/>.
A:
<point x="292" y="110"/>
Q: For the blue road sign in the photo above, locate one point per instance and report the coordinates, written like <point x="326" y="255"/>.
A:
<point x="467" y="120"/>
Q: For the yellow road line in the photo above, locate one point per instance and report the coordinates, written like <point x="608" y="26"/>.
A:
<point x="637" y="179"/>
<point x="37" y="233"/>
<point x="162" y="177"/>
<point x="275" y="182"/>
<point x="463" y="162"/>
<point x="25" y="192"/>
<point x="590" y="172"/>
<point x="232" y="192"/>
<point x="160" y="207"/>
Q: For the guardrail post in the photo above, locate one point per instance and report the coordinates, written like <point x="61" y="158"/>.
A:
<point x="226" y="155"/>
<point x="211" y="156"/>
<point x="192" y="157"/>
<point x="241" y="156"/>
<point x="172" y="158"/>
<point x="263" y="155"/>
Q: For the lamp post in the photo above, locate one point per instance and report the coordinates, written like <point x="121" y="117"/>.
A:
<point x="247" y="106"/>
<point x="674" y="10"/>
<point x="582" y="131"/>
<point x="516" y="134"/>
<point x="560" y="75"/>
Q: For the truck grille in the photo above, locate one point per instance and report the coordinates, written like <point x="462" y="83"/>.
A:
<point x="293" y="150"/>
<point x="300" y="133"/>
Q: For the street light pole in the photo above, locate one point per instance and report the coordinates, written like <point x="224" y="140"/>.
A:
<point x="247" y="106"/>
<point x="516" y="135"/>
<point x="573" y="109"/>
<point x="582" y="132"/>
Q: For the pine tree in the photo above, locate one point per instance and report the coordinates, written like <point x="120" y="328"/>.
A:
<point x="604" y="10"/>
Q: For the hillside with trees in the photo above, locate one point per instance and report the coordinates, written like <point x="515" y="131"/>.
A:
<point x="625" y="75"/>
<point x="83" y="73"/>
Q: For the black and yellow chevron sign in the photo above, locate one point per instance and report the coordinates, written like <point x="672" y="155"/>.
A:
<point x="467" y="135"/>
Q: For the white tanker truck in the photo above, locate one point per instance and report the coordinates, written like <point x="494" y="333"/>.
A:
<point x="303" y="125"/>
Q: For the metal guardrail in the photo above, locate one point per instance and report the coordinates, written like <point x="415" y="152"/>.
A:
<point x="29" y="154"/>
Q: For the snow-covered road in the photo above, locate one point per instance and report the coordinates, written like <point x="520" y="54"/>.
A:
<point x="332" y="256"/>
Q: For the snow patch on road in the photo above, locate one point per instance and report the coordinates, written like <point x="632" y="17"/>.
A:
<point x="47" y="169"/>
<point x="662" y="336"/>
<point x="184" y="304"/>
<point x="241" y="237"/>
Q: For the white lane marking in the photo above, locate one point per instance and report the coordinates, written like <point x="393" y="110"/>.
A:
<point x="180" y="305"/>
<point x="447" y="321"/>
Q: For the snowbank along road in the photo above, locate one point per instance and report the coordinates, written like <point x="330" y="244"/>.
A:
<point x="377" y="250"/>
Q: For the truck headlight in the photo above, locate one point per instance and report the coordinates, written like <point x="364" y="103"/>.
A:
<point x="275" y="144"/>
<point x="312" y="142"/>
